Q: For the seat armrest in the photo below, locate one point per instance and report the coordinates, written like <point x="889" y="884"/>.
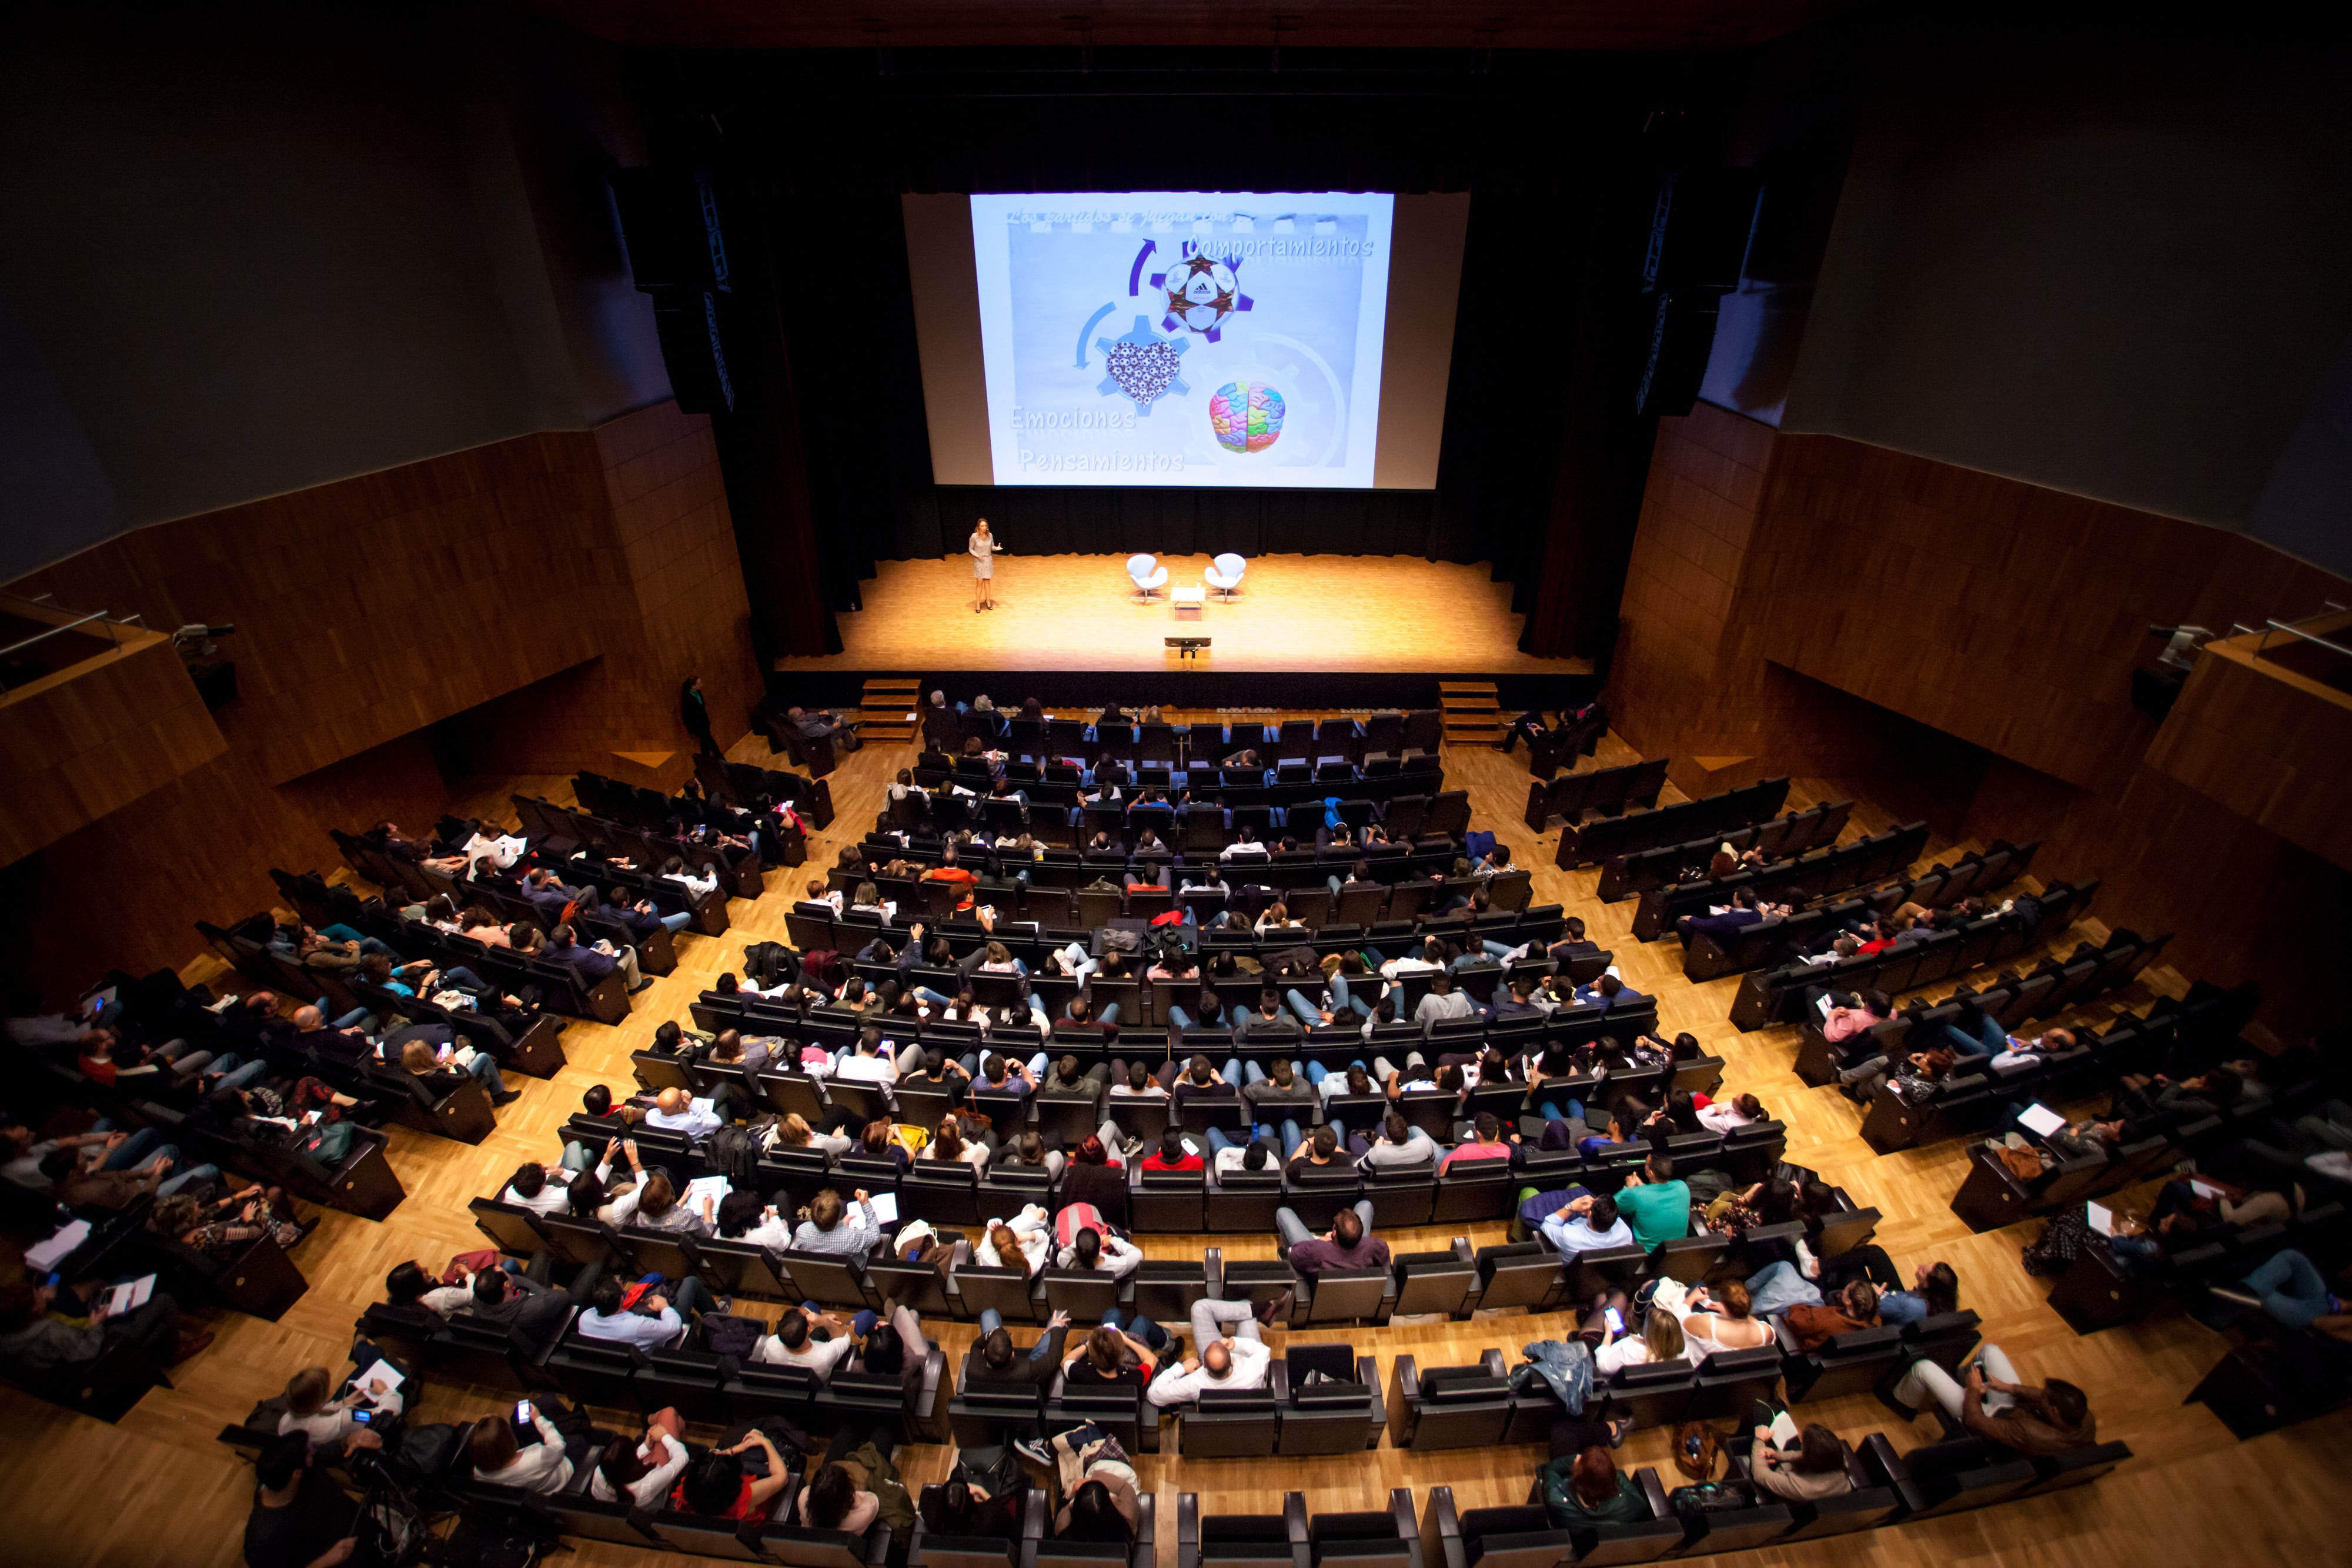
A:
<point x="1881" y="1462"/>
<point x="1441" y="1524"/>
<point x="1034" y="1519"/>
<point x="1408" y="1376"/>
<point x="1401" y="1511"/>
<point x="1278" y="1379"/>
<point x="1463" y="1251"/>
<point x="1294" y="1516"/>
<point x="877" y="1545"/>
<point x="1146" y="1526"/>
<point x="1782" y="1332"/>
<point x="1492" y="1359"/>
<point x="1187" y="1519"/>
<point x="1216" y="1259"/>
<point x="1654" y="1491"/>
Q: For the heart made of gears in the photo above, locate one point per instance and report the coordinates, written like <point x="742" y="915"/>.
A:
<point x="1143" y="370"/>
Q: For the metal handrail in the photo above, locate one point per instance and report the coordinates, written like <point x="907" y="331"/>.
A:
<point x="2270" y="626"/>
<point x="99" y="615"/>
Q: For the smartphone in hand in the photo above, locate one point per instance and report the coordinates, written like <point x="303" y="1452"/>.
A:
<point x="1614" y="1319"/>
<point x="522" y="1412"/>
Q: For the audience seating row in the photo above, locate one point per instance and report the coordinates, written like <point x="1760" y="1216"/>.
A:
<point x="1777" y="839"/>
<point x="745" y="785"/>
<point x="1387" y="731"/>
<point x="1802" y="940"/>
<point x="1635" y="834"/>
<point x="1577" y="734"/>
<point x="653" y="812"/>
<point x="1778" y="995"/>
<point x="1816" y="874"/>
<point x="1606" y="792"/>
<point x="561" y="833"/>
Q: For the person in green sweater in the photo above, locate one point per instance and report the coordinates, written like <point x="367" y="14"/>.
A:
<point x="1587" y="1488"/>
<point x="1654" y="1204"/>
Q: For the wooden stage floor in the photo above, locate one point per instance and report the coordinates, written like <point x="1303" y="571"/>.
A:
<point x="1384" y="614"/>
<point x="158" y="1491"/>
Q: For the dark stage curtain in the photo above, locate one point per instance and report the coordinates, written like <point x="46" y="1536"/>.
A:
<point x="1090" y="521"/>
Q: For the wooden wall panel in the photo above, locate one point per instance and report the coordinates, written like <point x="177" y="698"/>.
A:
<point x="668" y="599"/>
<point x="2273" y="746"/>
<point x="1812" y="605"/>
<point x="532" y="605"/>
<point x="375" y="605"/>
<point x="95" y="735"/>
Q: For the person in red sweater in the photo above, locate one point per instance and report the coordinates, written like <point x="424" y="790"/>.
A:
<point x="947" y="871"/>
<point x="1173" y="1154"/>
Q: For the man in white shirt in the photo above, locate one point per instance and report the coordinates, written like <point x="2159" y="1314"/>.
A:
<point x="675" y="1111"/>
<point x="1420" y="963"/>
<point x="501" y="1461"/>
<point x="532" y="1190"/>
<point x="1587" y="1224"/>
<point x="1245" y="848"/>
<point x="1112" y="1255"/>
<point x="1231" y="1353"/>
<point x="698" y="886"/>
<point x="867" y="1061"/>
<point x="793" y="1345"/>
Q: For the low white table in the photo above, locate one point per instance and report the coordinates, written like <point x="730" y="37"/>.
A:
<point x="1187" y="601"/>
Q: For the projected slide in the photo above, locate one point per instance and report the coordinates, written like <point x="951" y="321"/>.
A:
<point x="1173" y="338"/>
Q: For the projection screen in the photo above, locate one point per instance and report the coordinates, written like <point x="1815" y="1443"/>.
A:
<point x="1251" y="340"/>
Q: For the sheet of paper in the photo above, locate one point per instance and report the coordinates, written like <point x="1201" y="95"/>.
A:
<point x="383" y="1371"/>
<point x="1784" y="1432"/>
<point x="2102" y="1217"/>
<point x="714" y="1188"/>
<point x="702" y="1103"/>
<point x="2204" y="1189"/>
<point x="886" y="1207"/>
<point x="2040" y="1120"/>
<point x="126" y="1298"/>
<point x="48" y="1254"/>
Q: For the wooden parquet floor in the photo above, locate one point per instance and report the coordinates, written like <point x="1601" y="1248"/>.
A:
<point x="1390" y="613"/>
<point x="158" y="1491"/>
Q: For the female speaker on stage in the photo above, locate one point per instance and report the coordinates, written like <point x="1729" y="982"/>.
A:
<point x="983" y="550"/>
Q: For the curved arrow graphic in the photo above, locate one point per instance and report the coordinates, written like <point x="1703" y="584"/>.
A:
<point x="1135" y="273"/>
<point x="1088" y="332"/>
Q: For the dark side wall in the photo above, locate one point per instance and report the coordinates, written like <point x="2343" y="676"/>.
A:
<point x="2112" y="265"/>
<point x="252" y="251"/>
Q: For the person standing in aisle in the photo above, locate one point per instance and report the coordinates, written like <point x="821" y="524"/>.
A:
<point x="984" y="548"/>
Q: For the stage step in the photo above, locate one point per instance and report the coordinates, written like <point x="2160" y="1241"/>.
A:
<point x="1472" y="712"/>
<point x="883" y="708"/>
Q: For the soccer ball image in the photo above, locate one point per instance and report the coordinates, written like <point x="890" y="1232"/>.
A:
<point x="1200" y="292"/>
<point x="1246" y="415"/>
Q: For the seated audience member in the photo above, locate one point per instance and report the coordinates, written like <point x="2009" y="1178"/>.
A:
<point x="1348" y="1244"/>
<point x="1231" y="1353"/>
<point x="1656" y="1204"/>
<point x="1586" y="1224"/>
<point x="675" y="1111"/>
<point x="1710" y="1325"/>
<point x="1811" y="1471"/>
<point x="650" y="1323"/>
<point x="721" y="1486"/>
<point x="2034" y="1422"/>
<point x="327" y="1422"/>
<point x="653" y="1205"/>
<point x="797" y="1341"/>
<point x="1660" y="1339"/>
<point x="1174" y="1153"/>
<point x="1486" y="1141"/>
<point x="421" y="1061"/>
<point x="502" y="1460"/>
<point x="302" y="1517"/>
<point x="1586" y="1488"/>
<point x="45" y="1329"/>
<point x="832" y="1499"/>
<point x="1400" y="1144"/>
<point x="1814" y="1324"/>
<point x="832" y="1226"/>
<point x="643" y="1471"/>
<point x="1101" y="1488"/>
<point x="530" y="1188"/>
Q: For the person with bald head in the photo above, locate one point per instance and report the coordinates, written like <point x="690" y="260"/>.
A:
<point x="1229" y="1351"/>
<point x="311" y="1030"/>
<point x="674" y="1111"/>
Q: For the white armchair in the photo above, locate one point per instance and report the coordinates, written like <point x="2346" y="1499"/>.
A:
<point x="1225" y="574"/>
<point x="1148" y="573"/>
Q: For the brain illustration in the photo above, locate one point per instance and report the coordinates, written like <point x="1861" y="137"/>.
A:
<point x="1246" y="415"/>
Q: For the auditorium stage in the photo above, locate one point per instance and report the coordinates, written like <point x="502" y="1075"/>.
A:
<point x="1387" y="614"/>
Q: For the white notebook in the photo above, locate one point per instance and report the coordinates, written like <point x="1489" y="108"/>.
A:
<point x="2040" y="1120"/>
